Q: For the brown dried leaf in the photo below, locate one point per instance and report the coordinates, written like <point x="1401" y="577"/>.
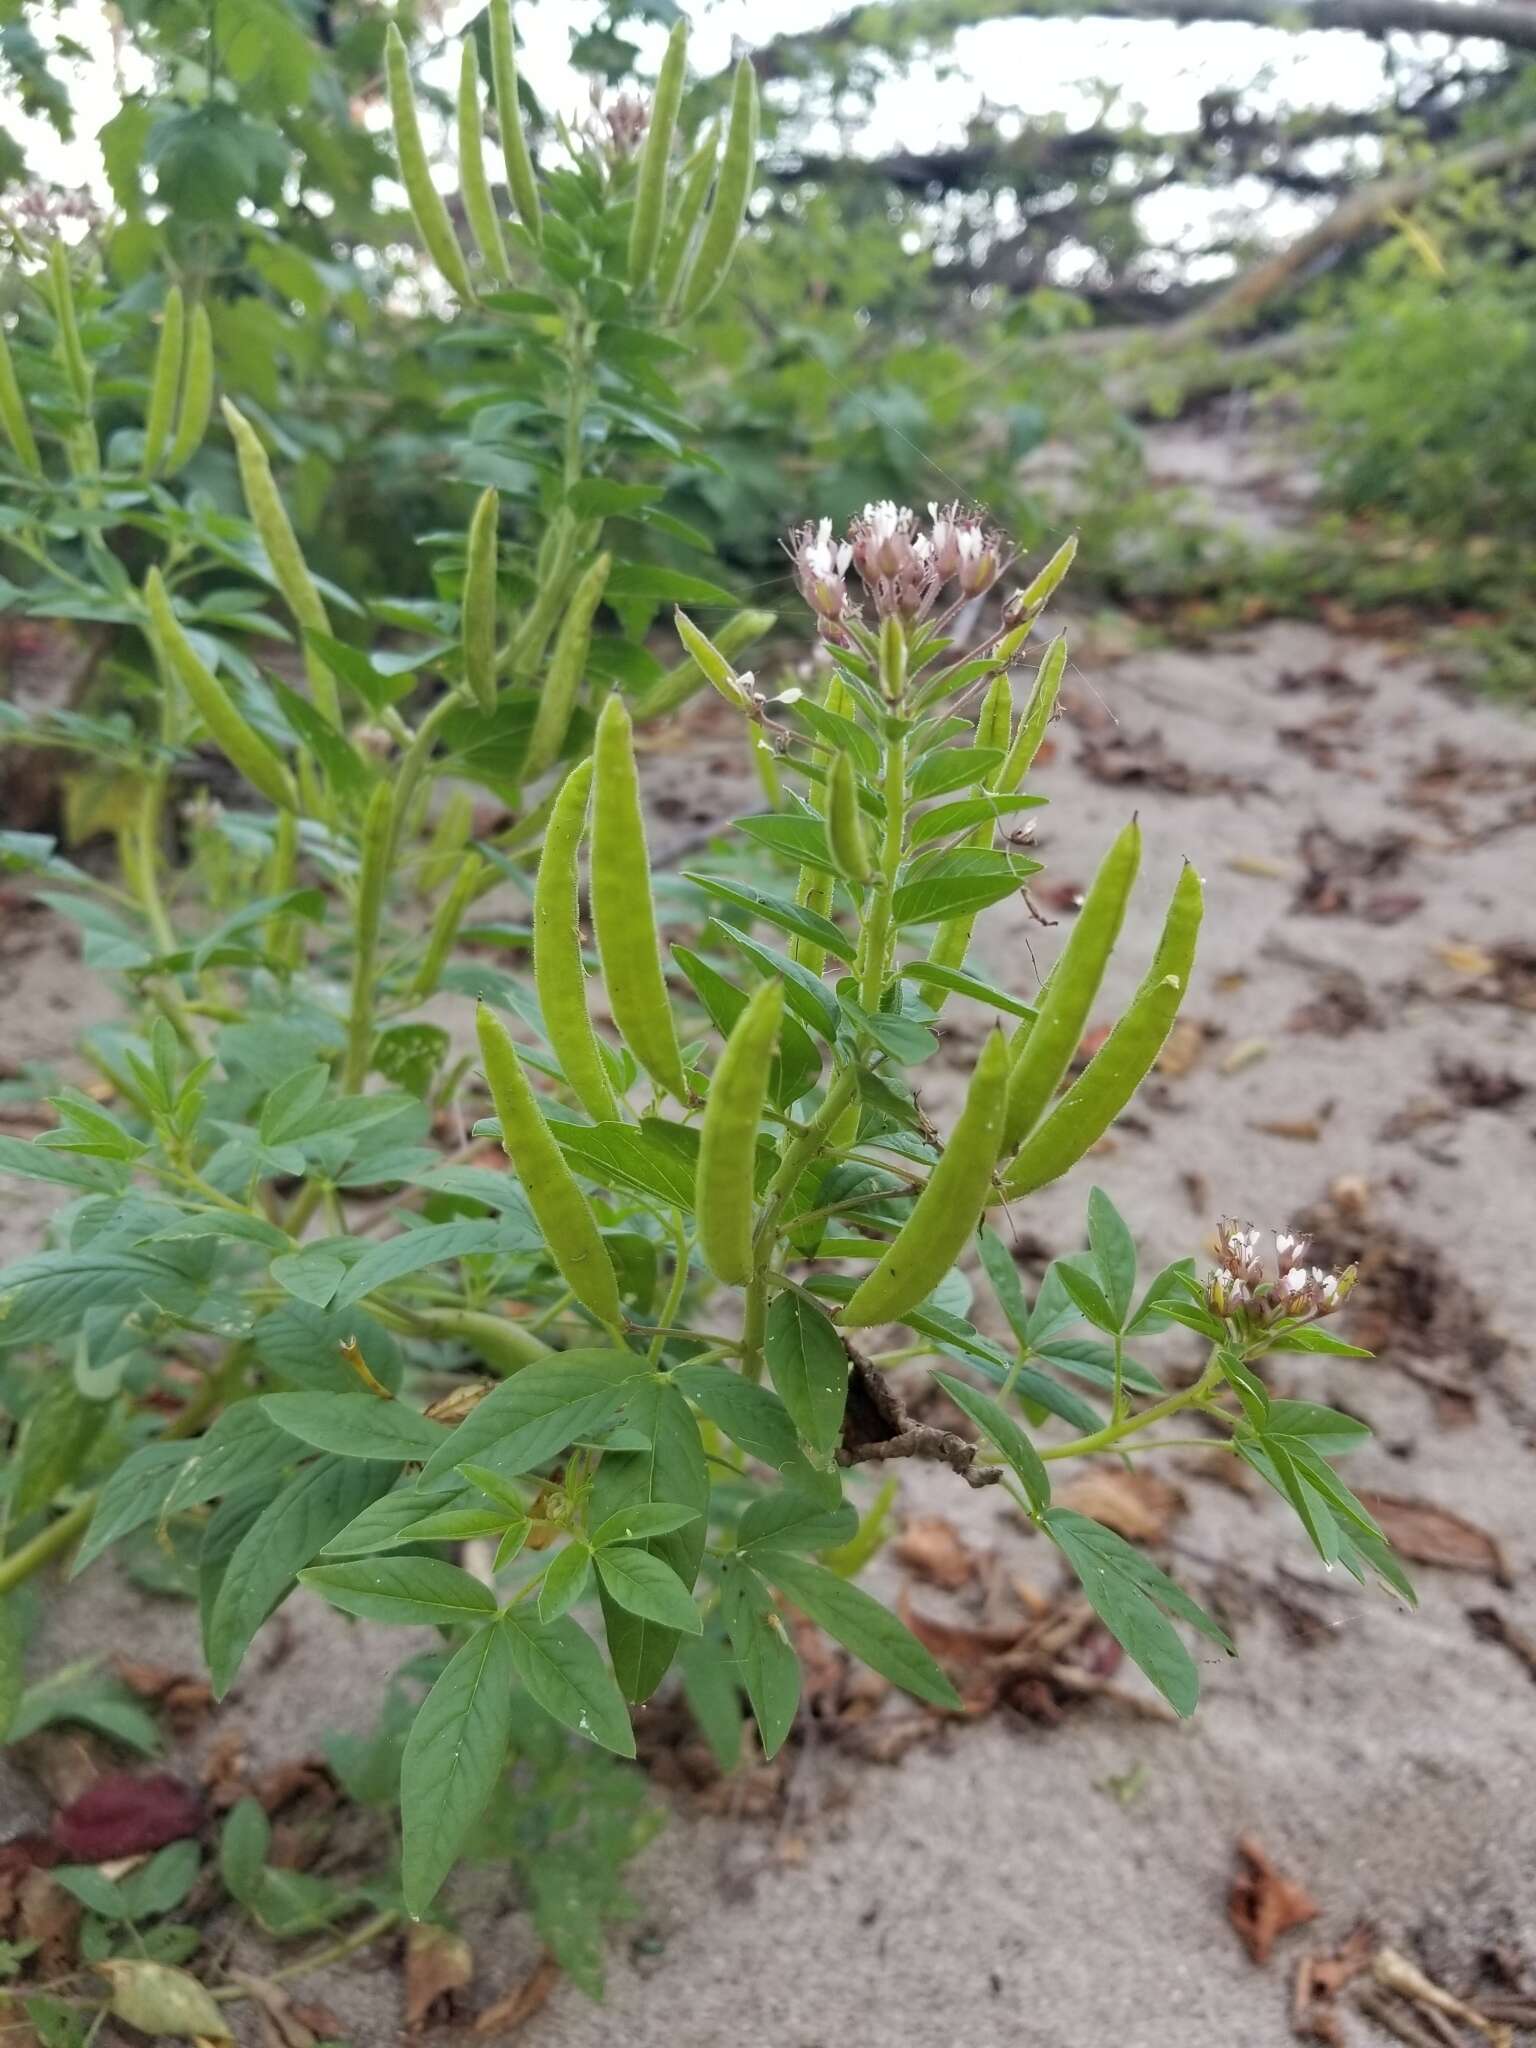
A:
<point x="1425" y="1534"/>
<point x="931" y="1547"/>
<point x="1182" y="1048"/>
<point x="437" y="1963"/>
<point x="49" y="1917"/>
<point x="1136" y="1505"/>
<point x="1261" y="1904"/>
<point x="520" y="2005"/>
<point x="1495" y="1627"/>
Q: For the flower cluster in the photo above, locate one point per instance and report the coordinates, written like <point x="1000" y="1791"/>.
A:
<point x="902" y="568"/>
<point x="1241" y="1288"/>
<point x="618" y="124"/>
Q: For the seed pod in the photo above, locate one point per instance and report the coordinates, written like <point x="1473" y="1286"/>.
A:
<point x="1046" y="1046"/>
<point x="622" y="909"/>
<point x="164" y="382"/>
<point x="1123" y="1061"/>
<point x="427" y="207"/>
<point x="13" y="414"/>
<point x="450" y="835"/>
<point x="994" y="721"/>
<point x="948" y="1209"/>
<point x="557" y="698"/>
<point x="564" y="1215"/>
<point x="845" y="827"/>
<point x="474" y="186"/>
<point x="717" y="671"/>
<point x="651" y="185"/>
<point x="816" y="885"/>
<point x="270" y="518"/>
<point x="1042" y="705"/>
<point x="717" y="246"/>
<point x="477" y="606"/>
<point x="62" y="299"/>
<point x="679" y="684"/>
<point x="445" y="926"/>
<point x="505" y="1346"/>
<point x="552" y="573"/>
<point x="375" y="864"/>
<point x="698" y="175"/>
<point x="724" y="1191"/>
<point x="559" y="977"/>
<point x="521" y="182"/>
<point x="196" y="393"/>
<point x="1031" y="599"/>
<point x="240" y="744"/>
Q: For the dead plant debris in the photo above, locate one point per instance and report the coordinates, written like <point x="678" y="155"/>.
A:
<point x="1262" y="1903"/>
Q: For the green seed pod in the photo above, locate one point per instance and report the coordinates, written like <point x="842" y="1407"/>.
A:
<point x="622" y="909"/>
<point x="240" y="744"/>
<point x="477" y="607"/>
<point x="724" y="1188"/>
<point x="557" y="699"/>
<point x="196" y="393"/>
<point x="164" y="382"/>
<point x="564" y="1215"/>
<point x="651" y="185"/>
<point x="13" y="414"/>
<point x="1123" y="1061"/>
<point x="678" y="684"/>
<point x="717" y="245"/>
<point x="552" y="572"/>
<point x="505" y="1346"/>
<point x="994" y="721"/>
<point x="445" y="926"/>
<point x="559" y="977"/>
<point x="948" y="1209"/>
<point x="845" y="826"/>
<point x="62" y="299"/>
<point x="1031" y="599"/>
<point x="427" y="207"/>
<point x="1046" y="1047"/>
<point x="893" y="658"/>
<point x="374" y="867"/>
<point x="816" y="885"/>
<point x="521" y="182"/>
<point x="698" y="175"/>
<point x="450" y="835"/>
<point x="716" y="670"/>
<point x="270" y="518"/>
<point x="474" y="186"/>
<point x="1042" y="706"/>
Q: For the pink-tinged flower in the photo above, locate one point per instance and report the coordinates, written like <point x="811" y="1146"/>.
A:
<point x="1241" y="1291"/>
<point x="964" y="549"/>
<point x="821" y="568"/>
<point x="894" y="561"/>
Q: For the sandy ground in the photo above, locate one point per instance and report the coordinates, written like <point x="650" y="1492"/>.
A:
<point x="995" y="1889"/>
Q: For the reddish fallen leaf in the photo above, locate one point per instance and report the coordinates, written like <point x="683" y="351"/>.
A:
<point x="1136" y="1505"/>
<point x="122" y="1815"/>
<point x="437" y="1963"/>
<point x="520" y="2005"/>
<point x="1320" y="1979"/>
<point x="1261" y="1904"/>
<point x="931" y="1547"/>
<point x="1425" y="1534"/>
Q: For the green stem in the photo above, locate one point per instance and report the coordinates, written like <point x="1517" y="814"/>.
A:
<point x="674" y="1300"/>
<point x="417" y="757"/>
<point x="1105" y="1438"/>
<point x="1117" y="1407"/>
<point x="318" y="1958"/>
<point x="877" y="934"/>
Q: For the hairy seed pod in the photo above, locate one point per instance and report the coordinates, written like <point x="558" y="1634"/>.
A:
<point x="673" y="690"/>
<point x="196" y="393"/>
<point x="557" y="698"/>
<point x="240" y="744"/>
<point x="164" y="382"/>
<point x="270" y="518"/>
<point x="450" y="835"/>
<point x="1046" y="1046"/>
<point x="445" y="926"/>
<point x="477" y="606"/>
<point x="552" y="573"/>
<point x="1031" y="599"/>
<point x="521" y="182"/>
<point x="733" y="188"/>
<point x="724" y="1191"/>
<point x="845" y="826"/>
<point x="994" y="721"/>
<point x="506" y="1347"/>
<point x="717" y="671"/>
<point x="559" y="976"/>
<point x="651" y="185"/>
<point x="375" y="864"/>
<point x="1037" y="716"/>
<point x="698" y="176"/>
<point x="563" y="1213"/>
<point x="1123" y="1061"/>
<point x="815" y="888"/>
<point x="948" y="1209"/>
<point x="61" y="297"/>
<point x="13" y="414"/>
<point x="622" y="908"/>
<point x="427" y="207"/>
<point x="474" y="186"/>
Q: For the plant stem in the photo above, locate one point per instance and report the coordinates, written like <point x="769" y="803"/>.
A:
<point x="318" y="1959"/>
<point x="1103" y="1439"/>
<point x="674" y="1300"/>
<point x="877" y="934"/>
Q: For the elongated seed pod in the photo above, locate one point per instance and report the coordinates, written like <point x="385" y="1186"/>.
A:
<point x="165" y="381"/>
<point x="521" y="182"/>
<point x="61" y="297"/>
<point x="13" y="414"/>
<point x="375" y="863"/>
<point x="427" y="207"/>
<point x="622" y="909"/>
<point x="564" y="1215"/>
<point x="552" y="572"/>
<point x="1037" y="716"/>
<point x="698" y="176"/>
<point x="505" y="1346"/>
<point x="845" y="827"/>
<point x="557" y="698"/>
<point x="717" y="671"/>
<point x="270" y="518"/>
<point x="474" y="186"/>
<point x="724" y="1186"/>
<point x="240" y="744"/>
<point x="815" y="888"/>
<point x="1032" y="597"/>
<point x="559" y="976"/>
<point x="733" y="188"/>
<point x="196" y="393"/>
<point x="477" y="607"/>
<point x="948" y="1209"/>
<point x="1123" y="1061"/>
<point x="450" y="835"/>
<point x="994" y="721"/>
<point x="445" y="926"/>
<point x="1045" y="1050"/>
<point x="680" y="683"/>
<point x="649" y="216"/>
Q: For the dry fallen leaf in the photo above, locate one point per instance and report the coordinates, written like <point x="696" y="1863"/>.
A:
<point x="1136" y="1505"/>
<point x="1494" y="1627"/>
<point x="1262" y="1905"/>
<point x="931" y="1547"/>
<point x="1182" y="1048"/>
<point x="1319" y="1980"/>
<point x="521" y="2004"/>
<point x="1425" y="1534"/>
<point x="437" y="1963"/>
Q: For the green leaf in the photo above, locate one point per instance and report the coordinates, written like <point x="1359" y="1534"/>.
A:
<point x="402" y="1589"/>
<point x="708" y="1670"/>
<point x="163" y="1882"/>
<point x="1167" y="1289"/>
<point x="765" y="1658"/>
<point x="563" y="1669"/>
<point x="161" y="1478"/>
<point x="64" y="1169"/>
<point x="311" y="1276"/>
<point x="643" y="1585"/>
<point x="798" y="1520"/>
<point x="454" y="1755"/>
<point x="1006" y="1434"/>
<point x="565" y="1580"/>
<point x="383" y="1523"/>
<point x="1086" y="1296"/>
<point x="1133" y="1600"/>
<point x="805" y="993"/>
<point x="860" y="1624"/>
<point x="1114" y="1253"/>
<point x="927" y="975"/>
<point x="637" y="1524"/>
<point x="779" y="910"/>
<point x="1308" y="1337"/>
<point x="13" y="1650"/>
<point x="1326" y="1428"/>
<point x="654" y="1158"/>
<point x="59" y="1430"/>
<point x="415" y="1249"/>
<point x="523" y="1422"/>
<point x="947" y="768"/>
<point x="750" y="1416"/>
<point x="629" y="581"/>
<point x="945" y="819"/>
<point x="808" y="1365"/>
<point x="1095" y="1362"/>
<point x="356" y="1426"/>
<point x="955" y="884"/>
